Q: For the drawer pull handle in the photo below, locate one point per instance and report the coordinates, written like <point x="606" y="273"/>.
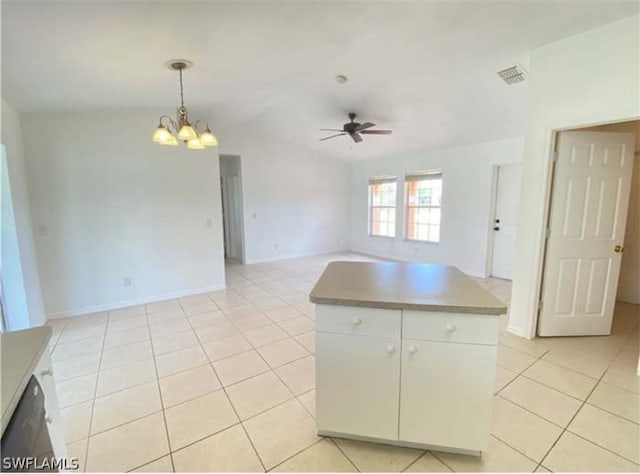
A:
<point x="357" y="321"/>
<point x="391" y="349"/>
<point x="46" y="372"/>
<point x="412" y="349"/>
<point x="451" y="327"/>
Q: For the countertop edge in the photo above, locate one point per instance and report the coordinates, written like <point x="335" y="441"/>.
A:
<point x="491" y="311"/>
<point x="9" y="408"/>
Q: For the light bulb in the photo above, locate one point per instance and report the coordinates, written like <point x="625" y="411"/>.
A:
<point x="208" y="139"/>
<point x="161" y="134"/>
<point x="187" y="133"/>
<point x="171" y="140"/>
<point x="195" y="144"/>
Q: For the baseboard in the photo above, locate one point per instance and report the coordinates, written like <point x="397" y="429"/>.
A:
<point x="405" y="260"/>
<point x="301" y="255"/>
<point x="133" y="302"/>
<point x="519" y="332"/>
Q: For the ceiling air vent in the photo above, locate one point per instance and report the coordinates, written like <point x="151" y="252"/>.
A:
<point x="513" y="75"/>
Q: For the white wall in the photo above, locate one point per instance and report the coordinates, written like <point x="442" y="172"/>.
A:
<point x="586" y="79"/>
<point x="467" y="188"/>
<point x="296" y="201"/>
<point x="20" y="280"/>
<point x="108" y="203"/>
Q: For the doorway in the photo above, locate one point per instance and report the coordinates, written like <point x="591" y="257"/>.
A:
<point x="591" y="254"/>
<point x="505" y="220"/>
<point x="232" y="207"/>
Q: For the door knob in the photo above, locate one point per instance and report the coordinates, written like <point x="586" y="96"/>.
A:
<point x="496" y="228"/>
<point x="391" y="349"/>
<point x="46" y="372"/>
<point x="618" y="249"/>
<point x="412" y="349"/>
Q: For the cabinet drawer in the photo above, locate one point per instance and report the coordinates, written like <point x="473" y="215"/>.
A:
<point x="450" y="327"/>
<point x="359" y="321"/>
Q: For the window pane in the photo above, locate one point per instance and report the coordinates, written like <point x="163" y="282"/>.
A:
<point x="382" y="213"/>
<point x="434" y="233"/>
<point x="424" y="201"/>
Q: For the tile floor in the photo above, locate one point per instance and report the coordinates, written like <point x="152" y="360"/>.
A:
<point x="224" y="381"/>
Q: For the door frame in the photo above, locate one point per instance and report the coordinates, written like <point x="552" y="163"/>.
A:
<point x="492" y="213"/>
<point x="241" y="224"/>
<point x="549" y="173"/>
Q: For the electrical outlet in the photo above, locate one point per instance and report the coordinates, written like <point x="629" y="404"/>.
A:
<point x="127" y="281"/>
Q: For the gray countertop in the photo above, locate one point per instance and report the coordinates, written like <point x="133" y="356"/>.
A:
<point x="20" y="352"/>
<point x="408" y="286"/>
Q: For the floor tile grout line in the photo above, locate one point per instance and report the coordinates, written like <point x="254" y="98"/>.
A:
<point x="344" y="453"/>
<point x="316" y="442"/>
<point x="93" y="401"/>
<point x="532" y="412"/>
<point x="151" y="462"/>
<point x="422" y="454"/>
<point x="519" y="374"/>
<point x="437" y="456"/>
<point x="164" y="414"/>
<point x="215" y="372"/>
<point x="571" y="421"/>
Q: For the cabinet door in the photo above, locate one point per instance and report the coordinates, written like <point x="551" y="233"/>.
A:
<point x="446" y="395"/>
<point x="357" y="384"/>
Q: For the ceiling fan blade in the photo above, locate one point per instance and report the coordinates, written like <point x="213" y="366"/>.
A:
<point x="332" y="136"/>
<point x="362" y="126"/>
<point x="331" y="130"/>
<point x="356" y="138"/>
<point x="376" y="132"/>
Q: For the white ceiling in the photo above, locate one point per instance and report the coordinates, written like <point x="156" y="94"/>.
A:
<point x="425" y="69"/>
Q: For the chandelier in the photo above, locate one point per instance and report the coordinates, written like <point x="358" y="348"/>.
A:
<point x="169" y="131"/>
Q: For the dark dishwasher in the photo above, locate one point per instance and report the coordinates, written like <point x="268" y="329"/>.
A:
<point x="26" y="446"/>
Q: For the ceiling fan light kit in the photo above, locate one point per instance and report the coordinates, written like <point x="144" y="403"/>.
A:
<point x="169" y="131"/>
<point x="354" y="130"/>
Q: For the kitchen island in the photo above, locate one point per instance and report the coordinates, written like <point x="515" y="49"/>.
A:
<point x="405" y="355"/>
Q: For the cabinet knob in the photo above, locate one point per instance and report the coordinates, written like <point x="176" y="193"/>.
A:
<point x="357" y="321"/>
<point x="46" y="372"/>
<point x="451" y="327"/>
<point x="413" y="349"/>
<point x="48" y="419"/>
<point x="391" y="349"/>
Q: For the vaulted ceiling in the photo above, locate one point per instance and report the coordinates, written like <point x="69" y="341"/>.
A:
<point x="425" y="69"/>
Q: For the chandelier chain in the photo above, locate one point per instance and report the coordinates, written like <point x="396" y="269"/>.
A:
<point x="181" y="90"/>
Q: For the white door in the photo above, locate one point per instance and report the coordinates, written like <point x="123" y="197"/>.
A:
<point x="446" y="374"/>
<point x="587" y="220"/>
<point x="358" y="384"/>
<point x="505" y="221"/>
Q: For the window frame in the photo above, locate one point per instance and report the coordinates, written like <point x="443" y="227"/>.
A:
<point x="371" y="207"/>
<point x="422" y="176"/>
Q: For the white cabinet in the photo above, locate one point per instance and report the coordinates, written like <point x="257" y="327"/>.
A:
<point x="44" y="374"/>
<point x="359" y="376"/>
<point x="446" y="393"/>
<point x="410" y="378"/>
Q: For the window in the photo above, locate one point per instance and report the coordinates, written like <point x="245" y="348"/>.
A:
<point x="424" y="206"/>
<point x="382" y="207"/>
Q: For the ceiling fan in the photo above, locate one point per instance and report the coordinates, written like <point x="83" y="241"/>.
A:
<point x="354" y="130"/>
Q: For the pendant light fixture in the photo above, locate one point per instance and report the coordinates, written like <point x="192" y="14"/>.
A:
<point x="170" y="131"/>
